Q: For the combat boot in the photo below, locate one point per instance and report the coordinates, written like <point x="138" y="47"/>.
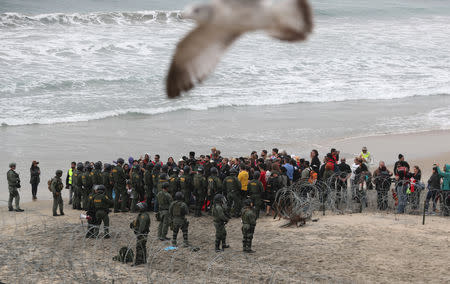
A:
<point x="224" y="244"/>
<point x="249" y="247"/>
<point x="218" y="246"/>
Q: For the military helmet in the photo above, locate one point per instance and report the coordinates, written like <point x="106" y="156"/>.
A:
<point x="80" y="166"/>
<point x="218" y="198"/>
<point x="142" y="206"/>
<point x="179" y="195"/>
<point x="101" y="187"/>
<point x="59" y="173"/>
<point x="98" y="165"/>
<point x="247" y="202"/>
<point x="120" y="161"/>
<point x="200" y="169"/>
<point x="12" y="165"/>
<point x="165" y="185"/>
<point x="213" y="170"/>
<point x="107" y="167"/>
<point x="256" y="175"/>
<point x="187" y="169"/>
<point x="89" y="166"/>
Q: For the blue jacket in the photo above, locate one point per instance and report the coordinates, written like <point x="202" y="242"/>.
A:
<point x="445" y="177"/>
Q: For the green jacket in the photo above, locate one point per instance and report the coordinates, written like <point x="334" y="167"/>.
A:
<point x="13" y="178"/>
<point x="148" y="180"/>
<point x="57" y="185"/>
<point x="106" y="180"/>
<point x="178" y="211"/>
<point x="214" y="185"/>
<point x="164" y="200"/>
<point x="141" y="226"/>
<point x="200" y="185"/>
<point x="232" y="184"/>
<point x="119" y="177"/>
<point x="248" y="216"/>
<point x="186" y="183"/>
<point x="255" y="188"/>
<point x="77" y="180"/>
<point x="101" y="201"/>
<point x="218" y="214"/>
<point x="445" y="177"/>
<point x="97" y="177"/>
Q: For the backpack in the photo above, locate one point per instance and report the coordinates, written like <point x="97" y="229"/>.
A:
<point x="125" y="255"/>
<point x="49" y="183"/>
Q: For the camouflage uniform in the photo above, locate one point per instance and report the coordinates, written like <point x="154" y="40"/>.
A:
<point x="164" y="201"/>
<point x="248" y="228"/>
<point x="56" y="188"/>
<point x="177" y="212"/>
<point x="141" y="228"/>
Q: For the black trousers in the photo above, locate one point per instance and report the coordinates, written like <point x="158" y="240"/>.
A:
<point x="34" y="187"/>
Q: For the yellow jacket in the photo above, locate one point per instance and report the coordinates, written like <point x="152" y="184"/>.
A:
<point x="243" y="178"/>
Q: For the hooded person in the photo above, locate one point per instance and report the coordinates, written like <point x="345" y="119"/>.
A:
<point x="445" y="198"/>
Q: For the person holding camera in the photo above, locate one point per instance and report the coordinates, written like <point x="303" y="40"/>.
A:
<point x="13" y="186"/>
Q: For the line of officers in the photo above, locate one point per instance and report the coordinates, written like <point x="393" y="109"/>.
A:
<point x="170" y="192"/>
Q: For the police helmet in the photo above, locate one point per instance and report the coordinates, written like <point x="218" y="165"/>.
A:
<point x="120" y="161"/>
<point x="247" y="202"/>
<point x="256" y="175"/>
<point x="98" y="165"/>
<point x="218" y="198"/>
<point x="100" y="187"/>
<point x="214" y="170"/>
<point x="107" y="167"/>
<point x="187" y="169"/>
<point x="89" y="166"/>
<point x="179" y="195"/>
<point x="165" y="185"/>
<point x="59" y="173"/>
<point x="11" y="165"/>
<point x="80" y="166"/>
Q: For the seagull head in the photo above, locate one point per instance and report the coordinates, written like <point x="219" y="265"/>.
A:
<point x="200" y="13"/>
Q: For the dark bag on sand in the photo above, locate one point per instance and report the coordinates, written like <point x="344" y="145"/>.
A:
<point x="125" y="255"/>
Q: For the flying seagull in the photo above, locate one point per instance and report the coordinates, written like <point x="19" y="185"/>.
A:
<point x="220" y="23"/>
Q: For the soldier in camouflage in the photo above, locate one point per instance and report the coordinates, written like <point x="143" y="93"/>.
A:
<point x="141" y="228"/>
<point x="220" y="219"/>
<point x="164" y="201"/>
<point x="177" y="212"/>
<point x="13" y="185"/>
<point x="56" y="188"/>
<point x="248" y="226"/>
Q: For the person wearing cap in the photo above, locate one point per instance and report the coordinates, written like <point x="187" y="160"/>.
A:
<point x="164" y="201"/>
<point x="120" y="181"/>
<point x="365" y="156"/>
<point x="101" y="203"/>
<point x="56" y="187"/>
<point x="35" y="179"/>
<point x="141" y="228"/>
<point x="13" y="184"/>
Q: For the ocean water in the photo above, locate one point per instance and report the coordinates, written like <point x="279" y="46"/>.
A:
<point x="62" y="61"/>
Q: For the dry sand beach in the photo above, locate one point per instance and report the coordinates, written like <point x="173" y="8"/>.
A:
<point x="353" y="248"/>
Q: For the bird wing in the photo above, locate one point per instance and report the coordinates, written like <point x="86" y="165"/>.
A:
<point x="292" y="20"/>
<point x="196" y="57"/>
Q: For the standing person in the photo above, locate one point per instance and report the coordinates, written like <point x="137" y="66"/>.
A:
<point x="164" y="201"/>
<point x="220" y="219"/>
<point x="97" y="178"/>
<point x="200" y="190"/>
<point x="186" y="185"/>
<point x="248" y="226"/>
<point x="315" y="162"/>
<point x="56" y="188"/>
<point x="69" y="181"/>
<point x="382" y="179"/>
<point x="243" y="178"/>
<point x="86" y="179"/>
<point x="148" y="184"/>
<point x="401" y="163"/>
<point x="120" y="182"/>
<point x="445" y="195"/>
<point x="102" y="203"/>
<point x="177" y="212"/>
<point x="77" y="186"/>
<point x="107" y="181"/>
<point x="416" y="186"/>
<point x="13" y="184"/>
<point x="341" y="184"/>
<point x="434" y="185"/>
<point x="255" y="191"/>
<point x="289" y="169"/>
<point x="141" y="228"/>
<point x="174" y="181"/>
<point x="365" y="156"/>
<point x="35" y="179"/>
<point x="232" y="186"/>
<point x="214" y="185"/>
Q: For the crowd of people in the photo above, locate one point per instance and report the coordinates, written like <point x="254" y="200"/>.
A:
<point x="222" y="187"/>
